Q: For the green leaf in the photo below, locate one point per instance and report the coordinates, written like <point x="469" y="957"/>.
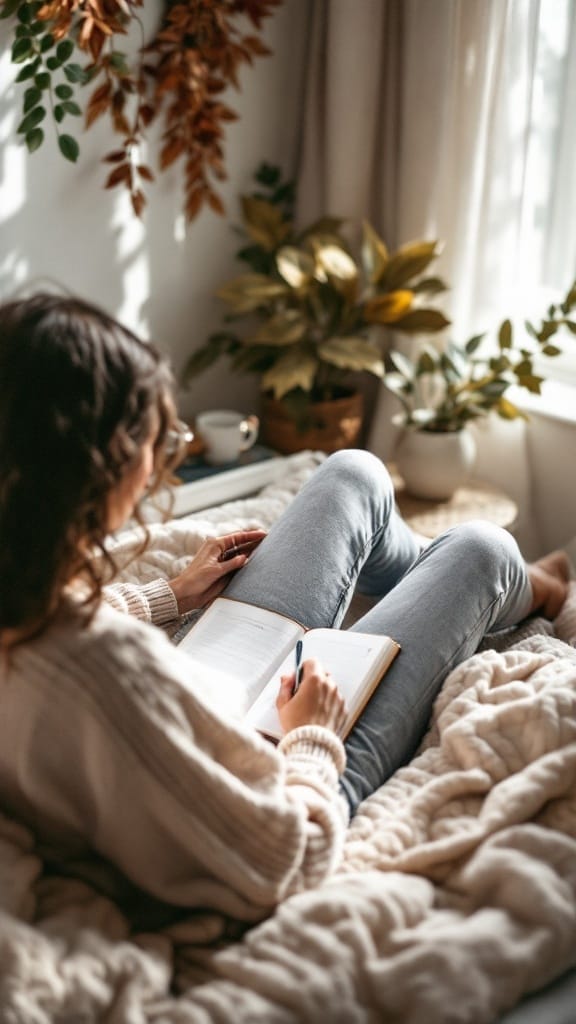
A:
<point x="398" y="384"/>
<point x="29" y="70"/>
<point x="551" y="350"/>
<point x="284" y="328"/>
<point x="474" y="343"/>
<point x="68" y="147"/>
<point x="549" y="327"/>
<point x="72" y="108"/>
<point x="9" y="8"/>
<point x="59" y="113"/>
<point x="31" y="120"/>
<point x="427" y="362"/>
<point x="495" y="388"/>
<point x="47" y="42"/>
<point x="430" y="286"/>
<point x="118" y="61"/>
<point x="402" y="364"/>
<point x="499" y="364"/>
<point x="388" y="309"/>
<point x="64" y="50"/>
<point x="37" y="28"/>
<point x="63" y="91"/>
<point x="531" y="382"/>
<point x="293" y="370"/>
<point x="333" y="261"/>
<point x="74" y="73"/>
<point x="324" y="226"/>
<point x="32" y="97"/>
<point x="524" y="367"/>
<point x="24" y="13"/>
<point x="53" y="63"/>
<point x="409" y="262"/>
<point x="375" y="256"/>
<point x="34" y="139"/>
<point x="264" y="222"/>
<point x="217" y="345"/>
<point x="505" y="334"/>
<point x="422" y="321"/>
<point x="42" y="80"/>
<point x="21" y="49"/>
<point x="295" y="266"/>
<point x="508" y="411"/>
<point x="352" y="354"/>
<point x="449" y="368"/>
<point x="249" y="291"/>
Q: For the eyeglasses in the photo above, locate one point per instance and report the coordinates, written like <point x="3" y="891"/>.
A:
<point x="177" y="438"/>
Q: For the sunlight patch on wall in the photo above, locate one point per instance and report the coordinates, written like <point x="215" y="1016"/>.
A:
<point x="12" y="171"/>
<point x="15" y="270"/>
<point x="180" y="228"/>
<point x="133" y="260"/>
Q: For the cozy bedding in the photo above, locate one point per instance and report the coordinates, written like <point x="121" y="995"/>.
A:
<point x="455" y="898"/>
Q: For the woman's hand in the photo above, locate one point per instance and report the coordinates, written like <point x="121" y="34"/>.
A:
<point x="212" y="567"/>
<point x="317" y="701"/>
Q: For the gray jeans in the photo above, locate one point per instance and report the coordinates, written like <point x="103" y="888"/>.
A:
<point x="343" y="530"/>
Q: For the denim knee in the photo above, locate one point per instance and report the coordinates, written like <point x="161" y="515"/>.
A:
<point x="486" y="551"/>
<point x="360" y="470"/>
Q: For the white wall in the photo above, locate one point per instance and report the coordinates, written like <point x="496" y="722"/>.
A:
<point x="535" y="463"/>
<point x="57" y="222"/>
<point x="553" y="460"/>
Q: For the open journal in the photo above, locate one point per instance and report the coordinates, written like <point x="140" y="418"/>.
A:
<point x="242" y="651"/>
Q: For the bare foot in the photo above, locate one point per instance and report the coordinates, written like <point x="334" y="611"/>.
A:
<point x="549" y="577"/>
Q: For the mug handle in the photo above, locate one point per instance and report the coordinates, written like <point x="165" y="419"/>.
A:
<point x="249" y="429"/>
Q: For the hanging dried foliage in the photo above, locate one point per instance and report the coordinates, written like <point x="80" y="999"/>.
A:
<point x="180" y="76"/>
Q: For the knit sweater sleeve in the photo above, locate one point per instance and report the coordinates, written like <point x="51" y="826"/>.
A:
<point x="193" y="807"/>
<point x="152" y="602"/>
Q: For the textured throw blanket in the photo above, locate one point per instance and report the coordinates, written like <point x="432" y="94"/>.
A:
<point x="456" y="895"/>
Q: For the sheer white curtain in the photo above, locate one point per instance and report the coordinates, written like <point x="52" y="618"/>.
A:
<point x="452" y="120"/>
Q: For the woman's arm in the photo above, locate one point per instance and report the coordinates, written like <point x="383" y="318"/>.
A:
<point x="151" y="602"/>
<point x="163" y="601"/>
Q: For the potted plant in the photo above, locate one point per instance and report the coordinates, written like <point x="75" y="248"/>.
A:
<point x="304" y="316"/>
<point x="442" y="391"/>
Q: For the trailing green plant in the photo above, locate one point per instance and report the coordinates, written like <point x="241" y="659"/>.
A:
<point x="50" y="74"/>
<point x="304" y="317"/>
<point x="442" y="391"/>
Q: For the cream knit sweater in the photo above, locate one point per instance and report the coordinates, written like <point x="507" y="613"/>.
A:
<point x="106" y="744"/>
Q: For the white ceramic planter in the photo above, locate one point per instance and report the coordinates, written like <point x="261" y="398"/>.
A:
<point x="434" y="465"/>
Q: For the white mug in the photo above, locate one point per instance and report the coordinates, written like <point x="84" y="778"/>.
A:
<point x="226" y="434"/>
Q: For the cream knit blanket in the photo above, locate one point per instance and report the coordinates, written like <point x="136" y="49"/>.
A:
<point x="456" y="895"/>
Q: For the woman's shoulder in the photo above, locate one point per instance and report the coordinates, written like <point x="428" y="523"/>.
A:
<point x="125" y="672"/>
<point x="108" y="632"/>
<point x="80" y="651"/>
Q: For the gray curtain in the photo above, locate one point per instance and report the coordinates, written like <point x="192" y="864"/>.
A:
<point x="350" y="152"/>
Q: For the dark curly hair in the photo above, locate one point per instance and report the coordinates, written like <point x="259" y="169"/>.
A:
<point x="79" y="394"/>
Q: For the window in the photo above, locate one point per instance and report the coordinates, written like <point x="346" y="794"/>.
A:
<point x="548" y="223"/>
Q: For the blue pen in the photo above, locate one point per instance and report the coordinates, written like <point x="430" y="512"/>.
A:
<point x="298" y="671"/>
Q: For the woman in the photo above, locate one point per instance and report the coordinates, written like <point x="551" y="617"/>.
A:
<point x="106" y="743"/>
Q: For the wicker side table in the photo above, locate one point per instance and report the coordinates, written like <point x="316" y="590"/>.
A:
<point x="476" y="500"/>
